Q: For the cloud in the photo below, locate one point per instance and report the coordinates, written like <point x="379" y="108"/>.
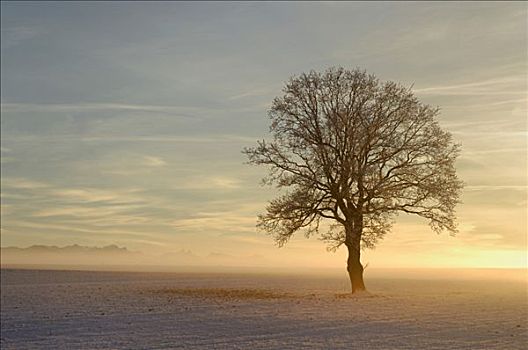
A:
<point x="88" y="107"/>
<point x="495" y="151"/>
<point x="223" y="182"/>
<point x="12" y="36"/>
<point x="213" y="138"/>
<point x="88" y="195"/>
<point x="203" y="182"/>
<point x="482" y="124"/>
<point x="240" y="219"/>
<point x="72" y="228"/>
<point x="492" y="133"/>
<point x="5" y="209"/>
<point x="3" y="158"/>
<point x="151" y="161"/>
<point x="131" y="164"/>
<point x="22" y="183"/>
<point x="488" y="104"/>
<point x="45" y="210"/>
<point x="207" y="138"/>
<point x="495" y="86"/>
<point x="251" y="93"/>
<point x="495" y="187"/>
<point x="182" y="111"/>
<point x="226" y="223"/>
<point x="87" y="212"/>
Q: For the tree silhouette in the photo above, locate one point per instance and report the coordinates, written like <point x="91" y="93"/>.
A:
<point x="355" y="151"/>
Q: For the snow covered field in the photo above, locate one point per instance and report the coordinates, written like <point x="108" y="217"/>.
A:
<point x="119" y="310"/>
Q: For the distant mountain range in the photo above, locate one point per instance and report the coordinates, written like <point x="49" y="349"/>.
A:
<point x="114" y="255"/>
<point x="68" y="255"/>
<point x="75" y="248"/>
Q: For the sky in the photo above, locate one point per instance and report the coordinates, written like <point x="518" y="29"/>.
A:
<point x="123" y="123"/>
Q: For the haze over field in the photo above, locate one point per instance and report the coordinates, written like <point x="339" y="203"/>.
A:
<point x="122" y="123"/>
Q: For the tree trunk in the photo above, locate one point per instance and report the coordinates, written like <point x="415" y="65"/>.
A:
<point x="355" y="269"/>
<point x="353" y="231"/>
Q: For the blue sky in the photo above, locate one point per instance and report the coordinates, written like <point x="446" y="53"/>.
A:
<point x="122" y="123"/>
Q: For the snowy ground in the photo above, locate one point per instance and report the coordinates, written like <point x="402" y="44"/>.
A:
<point x="117" y="310"/>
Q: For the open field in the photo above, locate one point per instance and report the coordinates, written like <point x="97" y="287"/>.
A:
<point x="121" y="310"/>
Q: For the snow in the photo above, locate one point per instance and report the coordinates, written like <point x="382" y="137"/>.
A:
<point x="119" y="310"/>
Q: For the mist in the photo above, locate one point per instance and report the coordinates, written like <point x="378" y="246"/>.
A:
<point x="114" y="258"/>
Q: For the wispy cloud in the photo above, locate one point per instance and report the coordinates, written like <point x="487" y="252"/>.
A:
<point x="495" y="86"/>
<point x="3" y="157"/>
<point x="204" y="138"/>
<point x="209" y="182"/>
<point x="218" y="222"/>
<point x="153" y="161"/>
<point x="85" y="212"/>
<point x="492" y="133"/>
<point x="68" y="229"/>
<point x="523" y="102"/>
<point x="495" y="187"/>
<point x="216" y="138"/>
<point x="487" y="124"/>
<point x="495" y="151"/>
<point x="5" y="160"/>
<point x="128" y="164"/>
<point x="11" y="36"/>
<point x="181" y="111"/>
<point x="22" y="183"/>
<point x="251" y="93"/>
<point x="89" y="195"/>
<point x="5" y="209"/>
<point x="122" y="213"/>
<point x="77" y="107"/>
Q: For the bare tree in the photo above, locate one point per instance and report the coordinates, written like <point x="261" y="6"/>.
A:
<point x="355" y="151"/>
